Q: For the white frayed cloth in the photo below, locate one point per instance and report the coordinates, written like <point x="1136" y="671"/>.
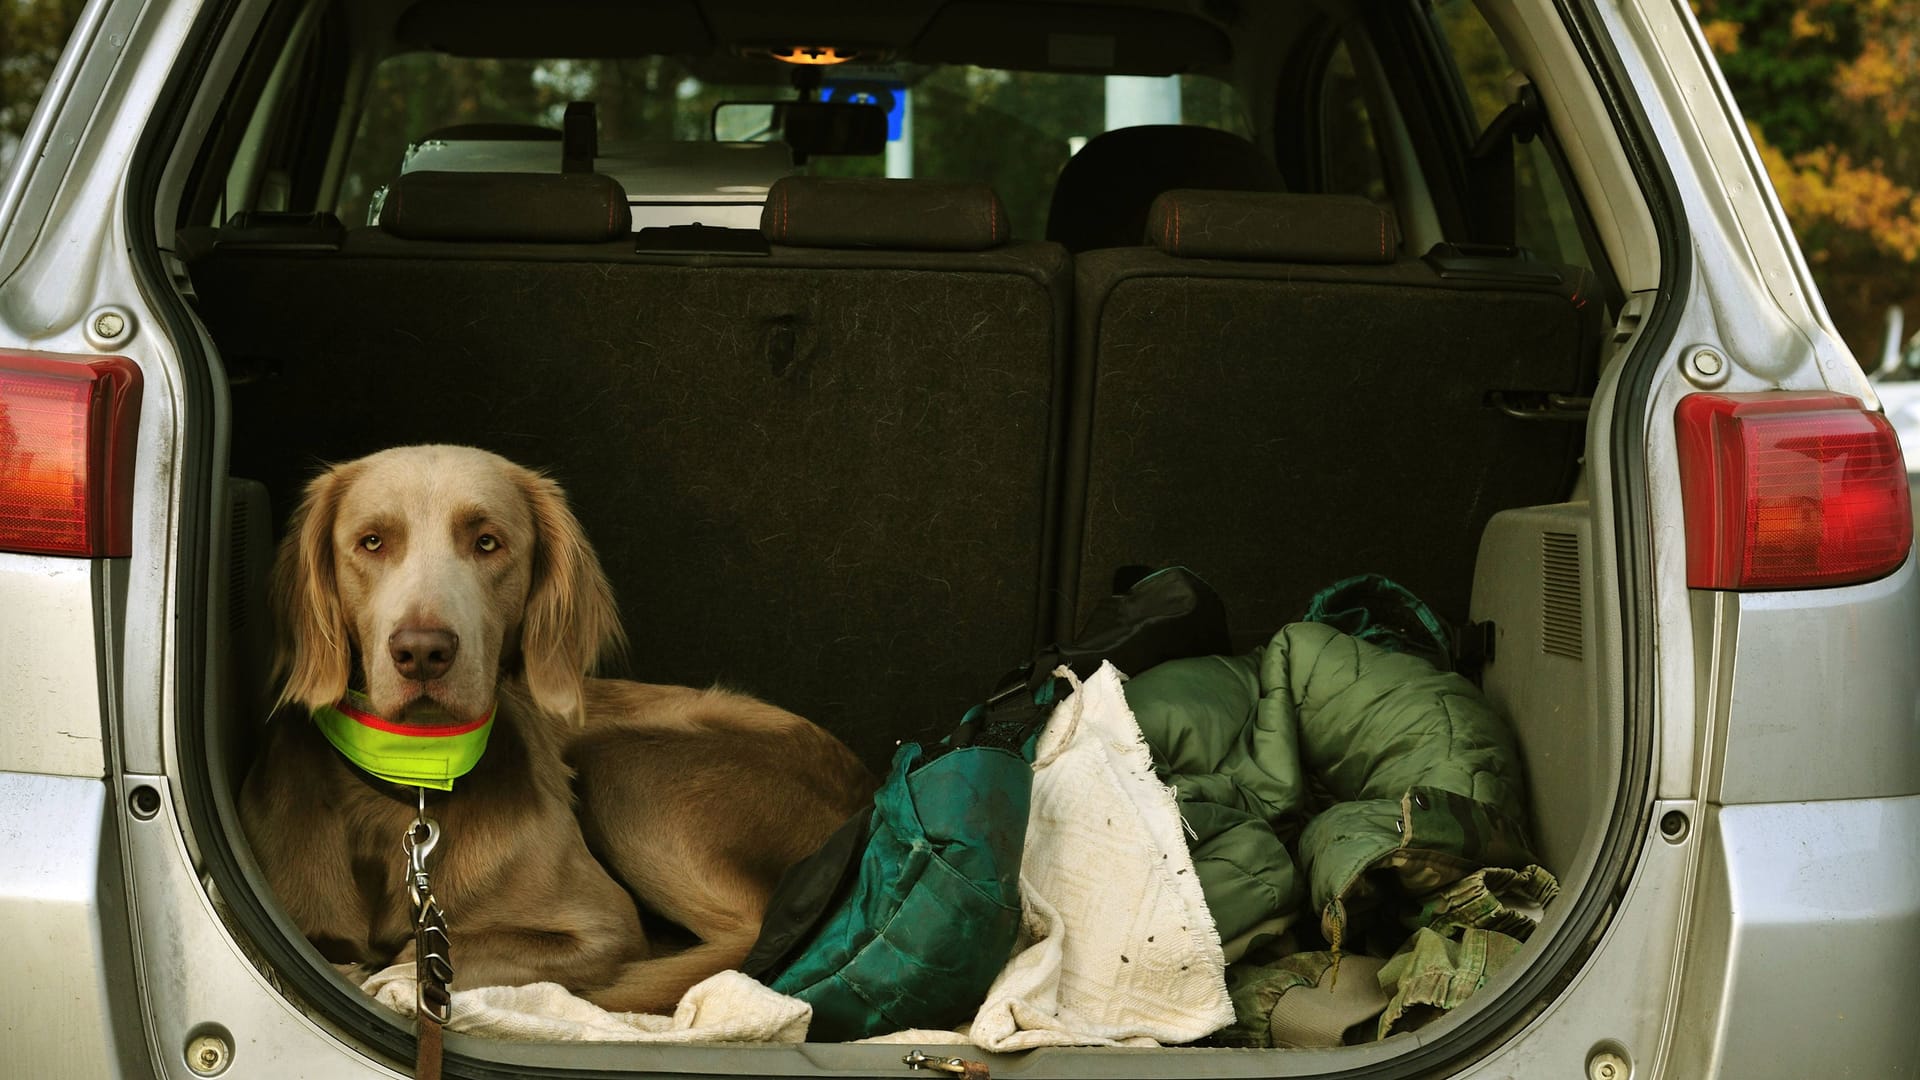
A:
<point x="729" y="1007"/>
<point x="1117" y="947"/>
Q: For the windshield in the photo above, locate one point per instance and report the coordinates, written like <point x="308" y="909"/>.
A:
<point x="1011" y="129"/>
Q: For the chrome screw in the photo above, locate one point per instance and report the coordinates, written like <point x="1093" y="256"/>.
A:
<point x="208" y="1054"/>
<point x="108" y="328"/>
<point x="1607" y="1065"/>
<point x="1706" y="368"/>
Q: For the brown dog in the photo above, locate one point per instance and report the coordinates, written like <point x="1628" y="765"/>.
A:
<point x="444" y="581"/>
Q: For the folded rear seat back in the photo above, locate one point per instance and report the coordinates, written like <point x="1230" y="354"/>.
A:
<point x="1274" y="396"/>
<point x="820" y="475"/>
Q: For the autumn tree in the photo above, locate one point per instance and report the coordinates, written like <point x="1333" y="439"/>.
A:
<point x="1831" y="91"/>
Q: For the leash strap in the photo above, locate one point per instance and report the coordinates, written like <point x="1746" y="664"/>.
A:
<point x="426" y="1062"/>
<point x="433" y="952"/>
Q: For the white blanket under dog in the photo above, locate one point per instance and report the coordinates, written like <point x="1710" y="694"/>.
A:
<point x="729" y="1007"/>
<point x="1117" y="946"/>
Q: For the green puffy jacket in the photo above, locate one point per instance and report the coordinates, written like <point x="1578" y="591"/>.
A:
<point x="1362" y="760"/>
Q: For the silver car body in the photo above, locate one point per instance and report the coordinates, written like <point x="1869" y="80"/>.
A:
<point x="1765" y="922"/>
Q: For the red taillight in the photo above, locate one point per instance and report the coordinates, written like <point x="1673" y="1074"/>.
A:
<point x="67" y="430"/>
<point x="1790" y="491"/>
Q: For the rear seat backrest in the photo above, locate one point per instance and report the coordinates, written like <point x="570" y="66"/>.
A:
<point x="822" y="475"/>
<point x="1279" y="401"/>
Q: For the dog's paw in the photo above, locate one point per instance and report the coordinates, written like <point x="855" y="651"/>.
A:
<point x="356" y="973"/>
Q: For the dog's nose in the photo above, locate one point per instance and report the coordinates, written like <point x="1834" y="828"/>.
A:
<point x="423" y="654"/>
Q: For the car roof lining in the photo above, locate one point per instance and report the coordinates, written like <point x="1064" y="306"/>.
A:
<point x="1109" y="37"/>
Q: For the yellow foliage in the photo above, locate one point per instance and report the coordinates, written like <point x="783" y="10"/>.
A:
<point x="1824" y="189"/>
<point x="1804" y="26"/>
<point x="1874" y="75"/>
<point x="1723" y="36"/>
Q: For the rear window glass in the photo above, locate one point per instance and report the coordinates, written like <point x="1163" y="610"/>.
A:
<point x="1012" y="129"/>
<point x="1544" y="219"/>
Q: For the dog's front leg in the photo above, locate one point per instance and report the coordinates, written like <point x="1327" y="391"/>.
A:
<point x="502" y="956"/>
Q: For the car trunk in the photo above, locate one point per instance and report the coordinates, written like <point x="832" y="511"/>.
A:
<point x="866" y="484"/>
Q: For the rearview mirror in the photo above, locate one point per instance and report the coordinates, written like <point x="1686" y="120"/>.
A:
<point x="810" y="127"/>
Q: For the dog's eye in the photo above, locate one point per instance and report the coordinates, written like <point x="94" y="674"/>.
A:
<point x="487" y="543"/>
<point x="371" y="541"/>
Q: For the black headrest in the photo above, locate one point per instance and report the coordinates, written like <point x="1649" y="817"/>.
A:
<point x="904" y="215"/>
<point x="1272" y="227"/>
<point x="1102" y="196"/>
<point x="554" y="208"/>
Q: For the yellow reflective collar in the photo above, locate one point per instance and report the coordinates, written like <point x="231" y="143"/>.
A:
<point x="417" y="756"/>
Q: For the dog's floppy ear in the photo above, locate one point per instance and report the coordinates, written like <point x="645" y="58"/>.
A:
<point x="314" y="651"/>
<point x="571" y="619"/>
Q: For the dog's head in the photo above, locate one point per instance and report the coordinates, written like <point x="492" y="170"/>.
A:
<point x="434" y="570"/>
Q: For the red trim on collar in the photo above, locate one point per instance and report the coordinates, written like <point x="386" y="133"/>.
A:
<point x="388" y="726"/>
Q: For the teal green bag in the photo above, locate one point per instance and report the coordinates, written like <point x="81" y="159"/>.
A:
<point x="934" y="910"/>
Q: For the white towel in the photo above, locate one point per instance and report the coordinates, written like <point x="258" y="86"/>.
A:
<point x="729" y="1007"/>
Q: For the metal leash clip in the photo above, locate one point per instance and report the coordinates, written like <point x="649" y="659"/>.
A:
<point x="969" y="1070"/>
<point x="433" y="952"/>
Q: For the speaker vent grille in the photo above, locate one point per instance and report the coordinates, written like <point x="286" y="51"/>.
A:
<point x="239" y="564"/>
<point x="1560" y="601"/>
